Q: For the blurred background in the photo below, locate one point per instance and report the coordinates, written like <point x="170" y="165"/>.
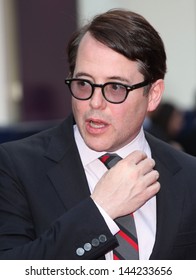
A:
<point x="33" y="62"/>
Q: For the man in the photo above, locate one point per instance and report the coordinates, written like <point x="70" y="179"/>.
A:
<point x="58" y="200"/>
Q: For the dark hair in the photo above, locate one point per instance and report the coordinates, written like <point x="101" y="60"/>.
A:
<point x="129" y="34"/>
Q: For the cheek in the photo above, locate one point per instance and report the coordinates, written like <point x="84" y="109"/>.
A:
<point x="123" y="120"/>
<point x="134" y="110"/>
<point x="77" y="113"/>
<point x="131" y="117"/>
<point x="77" y="108"/>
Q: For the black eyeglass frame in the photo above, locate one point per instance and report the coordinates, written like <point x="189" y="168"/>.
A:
<point x="102" y="86"/>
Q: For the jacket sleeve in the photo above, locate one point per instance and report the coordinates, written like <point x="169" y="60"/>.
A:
<point x="79" y="233"/>
<point x="75" y="235"/>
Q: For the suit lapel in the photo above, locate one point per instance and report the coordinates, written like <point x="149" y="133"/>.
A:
<point x="67" y="173"/>
<point x="169" y="199"/>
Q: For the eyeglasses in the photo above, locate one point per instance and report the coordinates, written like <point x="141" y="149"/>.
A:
<point x="113" y="92"/>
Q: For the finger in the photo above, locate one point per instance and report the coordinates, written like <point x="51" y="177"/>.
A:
<point x="149" y="192"/>
<point x="146" y="165"/>
<point x="153" y="189"/>
<point x="150" y="178"/>
<point x="135" y="157"/>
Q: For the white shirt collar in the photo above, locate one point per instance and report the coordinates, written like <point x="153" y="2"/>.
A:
<point x="87" y="155"/>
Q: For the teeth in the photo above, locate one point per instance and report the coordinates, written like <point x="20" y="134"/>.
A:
<point x="96" y="125"/>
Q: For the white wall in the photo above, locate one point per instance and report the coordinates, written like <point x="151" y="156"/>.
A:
<point x="3" y="67"/>
<point x="175" y="20"/>
<point x="10" y="87"/>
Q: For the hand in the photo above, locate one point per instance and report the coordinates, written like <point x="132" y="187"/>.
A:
<point x="127" y="186"/>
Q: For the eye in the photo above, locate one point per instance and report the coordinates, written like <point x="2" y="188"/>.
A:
<point x="82" y="83"/>
<point x="116" y="88"/>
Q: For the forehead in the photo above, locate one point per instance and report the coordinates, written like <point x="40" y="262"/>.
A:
<point x="96" y="58"/>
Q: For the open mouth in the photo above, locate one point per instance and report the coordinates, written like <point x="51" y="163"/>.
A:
<point x="96" y="125"/>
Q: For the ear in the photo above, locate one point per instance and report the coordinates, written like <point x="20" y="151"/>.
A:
<point x="155" y="95"/>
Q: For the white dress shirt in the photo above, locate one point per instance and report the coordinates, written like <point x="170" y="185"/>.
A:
<point x="145" y="217"/>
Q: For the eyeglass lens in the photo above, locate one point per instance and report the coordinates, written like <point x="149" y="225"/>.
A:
<point x="113" y="92"/>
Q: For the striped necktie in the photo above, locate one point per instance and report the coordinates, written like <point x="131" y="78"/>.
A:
<point x="127" y="236"/>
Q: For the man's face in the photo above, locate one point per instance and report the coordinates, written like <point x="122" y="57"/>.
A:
<point x="105" y="126"/>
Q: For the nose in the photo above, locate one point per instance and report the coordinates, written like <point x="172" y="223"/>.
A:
<point x="97" y="100"/>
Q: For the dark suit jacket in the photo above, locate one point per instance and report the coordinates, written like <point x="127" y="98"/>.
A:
<point x="46" y="211"/>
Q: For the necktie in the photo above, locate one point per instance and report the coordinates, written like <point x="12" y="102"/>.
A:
<point x="127" y="236"/>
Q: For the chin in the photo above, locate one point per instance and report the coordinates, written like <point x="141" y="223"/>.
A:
<point x="96" y="147"/>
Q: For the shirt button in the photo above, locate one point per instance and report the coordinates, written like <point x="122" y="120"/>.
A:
<point x="87" y="246"/>
<point x="80" y="252"/>
<point x="102" y="238"/>
<point x="95" y="242"/>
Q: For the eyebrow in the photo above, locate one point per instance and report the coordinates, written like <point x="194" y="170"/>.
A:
<point x="79" y="74"/>
<point x="119" y="78"/>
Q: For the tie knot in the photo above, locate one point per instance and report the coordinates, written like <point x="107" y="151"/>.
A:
<point x="110" y="159"/>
